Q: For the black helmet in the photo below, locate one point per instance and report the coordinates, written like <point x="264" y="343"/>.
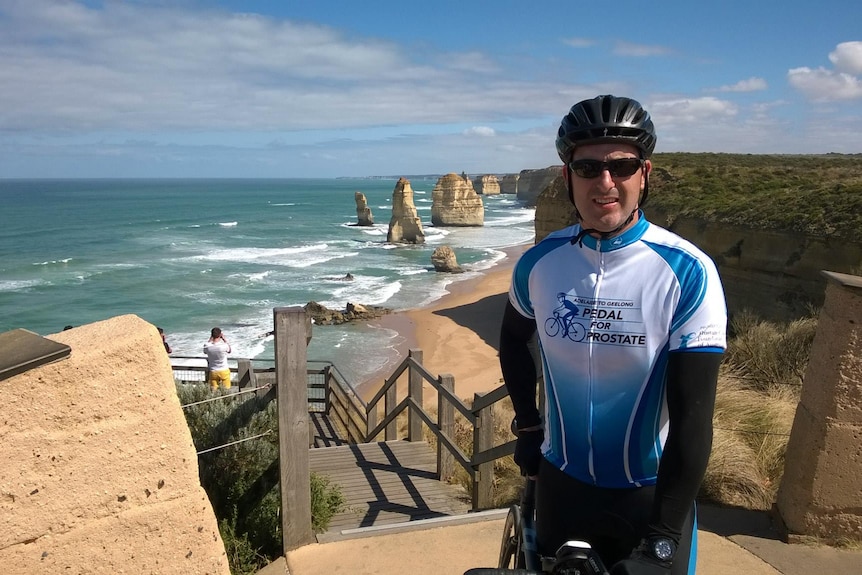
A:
<point x="606" y="119"/>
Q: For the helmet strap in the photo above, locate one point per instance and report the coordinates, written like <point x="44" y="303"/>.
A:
<point x="579" y="239"/>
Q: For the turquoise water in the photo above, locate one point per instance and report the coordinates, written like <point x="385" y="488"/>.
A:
<point x="187" y="255"/>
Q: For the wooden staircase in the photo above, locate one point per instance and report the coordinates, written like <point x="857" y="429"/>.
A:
<point x="385" y="483"/>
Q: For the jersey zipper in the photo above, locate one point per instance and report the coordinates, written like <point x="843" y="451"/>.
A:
<point x="600" y="270"/>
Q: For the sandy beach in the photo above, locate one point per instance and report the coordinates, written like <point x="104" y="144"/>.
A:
<point x="458" y="334"/>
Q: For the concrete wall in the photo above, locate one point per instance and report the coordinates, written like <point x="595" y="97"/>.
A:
<point x="821" y="493"/>
<point x="99" y="473"/>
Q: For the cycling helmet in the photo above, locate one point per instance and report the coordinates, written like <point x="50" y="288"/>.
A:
<point x="606" y="119"/>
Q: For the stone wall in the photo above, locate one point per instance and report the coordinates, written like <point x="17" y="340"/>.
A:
<point x="99" y="472"/>
<point x="820" y="491"/>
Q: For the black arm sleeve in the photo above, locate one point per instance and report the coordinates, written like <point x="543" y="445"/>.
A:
<point x="518" y="366"/>
<point x="691" y="382"/>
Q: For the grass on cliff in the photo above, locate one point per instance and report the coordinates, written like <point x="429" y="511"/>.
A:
<point x="819" y="195"/>
<point x="758" y="390"/>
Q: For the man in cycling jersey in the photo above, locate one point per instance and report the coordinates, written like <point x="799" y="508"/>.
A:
<point x="622" y="444"/>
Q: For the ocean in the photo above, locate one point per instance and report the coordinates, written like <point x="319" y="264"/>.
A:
<point x="187" y="255"/>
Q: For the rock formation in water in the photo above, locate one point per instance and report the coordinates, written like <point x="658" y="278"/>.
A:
<point x="509" y="184"/>
<point x="454" y="202"/>
<point x="404" y="225"/>
<point x="443" y="259"/>
<point x="363" y="212"/>
<point x="774" y="273"/>
<point x="322" y="315"/>
<point x="531" y="183"/>
<point x="486" y="185"/>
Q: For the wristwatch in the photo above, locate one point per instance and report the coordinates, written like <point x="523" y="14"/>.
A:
<point x="663" y="548"/>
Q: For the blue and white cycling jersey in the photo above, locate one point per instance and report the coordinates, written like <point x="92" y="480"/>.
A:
<point x="608" y="313"/>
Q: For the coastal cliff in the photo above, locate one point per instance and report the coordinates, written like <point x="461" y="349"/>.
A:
<point x="774" y="273"/>
<point x="531" y="183"/>
<point x="509" y="183"/>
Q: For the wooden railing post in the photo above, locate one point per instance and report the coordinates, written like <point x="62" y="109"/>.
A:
<point x="327" y="388"/>
<point x="483" y="438"/>
<point x="245" y="376"/>
<point x="292" y="333"/>
<point x="371" y="419"/>
<point x="446" y="422"/>
<point x="390" y="401"/>
<point x="414" y="422"/>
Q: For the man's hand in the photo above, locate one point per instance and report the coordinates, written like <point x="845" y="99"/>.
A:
<point x="642" y="562"/>
<point x="528" y="451"/>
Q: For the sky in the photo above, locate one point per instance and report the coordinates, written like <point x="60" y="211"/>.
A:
<point x="285" y="88"/>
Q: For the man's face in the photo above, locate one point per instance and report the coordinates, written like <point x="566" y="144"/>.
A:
<point x="606" y="201"/>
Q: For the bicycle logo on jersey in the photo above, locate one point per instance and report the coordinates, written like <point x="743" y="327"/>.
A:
<point x="563" y="320"/>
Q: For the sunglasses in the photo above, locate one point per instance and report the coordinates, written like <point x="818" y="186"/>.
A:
<point x="620" y="168"/>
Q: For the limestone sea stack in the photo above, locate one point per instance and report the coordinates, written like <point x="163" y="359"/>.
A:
<point x="486" y="185"/>
<point x="404" y="225"/>
<point x="363" y="212"/>
<point x="454" y="202"/>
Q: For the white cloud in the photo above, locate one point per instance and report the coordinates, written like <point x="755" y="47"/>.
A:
<point x="639" y="50"/>
<point x="480" y="131"/>
<point x="752" y="84"/>
<point x="578" y="42"/>
<point x="674" y="112"/>
<point x="847" y="57"/>
<point x="148" y="68"/>
<point x="822" y="85"/>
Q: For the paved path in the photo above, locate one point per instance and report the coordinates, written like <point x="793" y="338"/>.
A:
<point x="729" y="542"/>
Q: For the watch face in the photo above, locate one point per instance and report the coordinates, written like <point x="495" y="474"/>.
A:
<point x="663" y="548"/>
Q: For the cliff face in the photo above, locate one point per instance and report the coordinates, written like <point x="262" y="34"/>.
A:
<point x="773" y="273"/>
<point x="509" y="184"/>
<point x="486" y="185"/>
<point x="554" y="211"/>
<point x="405" y="225"/>
<point x="454" y="202"/>
<point x="531" y="183"/>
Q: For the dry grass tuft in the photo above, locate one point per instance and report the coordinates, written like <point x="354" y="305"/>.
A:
<point x="750" y="438"/>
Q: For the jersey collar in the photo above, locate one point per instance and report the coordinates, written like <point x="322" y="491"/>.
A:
<point x="628" y="237"/>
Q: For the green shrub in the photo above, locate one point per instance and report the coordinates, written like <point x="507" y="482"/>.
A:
<point x="241" y="480"/>
<point x="242" y="556"/>
<point x="326" y="500"/>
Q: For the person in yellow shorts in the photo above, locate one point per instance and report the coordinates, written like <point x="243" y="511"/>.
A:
<point x="217" y="349"/>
